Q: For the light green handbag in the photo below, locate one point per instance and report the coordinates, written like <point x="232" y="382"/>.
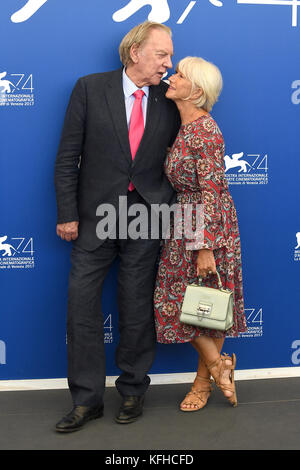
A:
<point x="207" y="307"/>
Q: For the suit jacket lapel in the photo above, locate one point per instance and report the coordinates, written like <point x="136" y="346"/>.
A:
<point x="116" y="104"/>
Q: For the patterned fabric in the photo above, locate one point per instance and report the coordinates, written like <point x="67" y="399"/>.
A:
<point x="195" y="168"/>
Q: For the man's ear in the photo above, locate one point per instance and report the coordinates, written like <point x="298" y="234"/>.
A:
<point x="134" y="53"/>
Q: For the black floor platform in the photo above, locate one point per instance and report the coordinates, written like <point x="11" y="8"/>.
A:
<point x="267" y="418"/>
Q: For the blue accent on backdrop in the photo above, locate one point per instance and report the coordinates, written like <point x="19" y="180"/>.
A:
<point x="257" y="49"/>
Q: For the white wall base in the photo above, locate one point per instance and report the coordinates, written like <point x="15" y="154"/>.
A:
<point x="156" y="379"/>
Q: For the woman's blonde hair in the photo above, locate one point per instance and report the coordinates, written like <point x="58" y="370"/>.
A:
<point x="138" y="35"/>
<point x="204" y="75"/>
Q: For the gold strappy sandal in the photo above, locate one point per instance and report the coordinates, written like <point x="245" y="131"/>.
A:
<point x="198" y="396"/>
<point x="217" y="374"/>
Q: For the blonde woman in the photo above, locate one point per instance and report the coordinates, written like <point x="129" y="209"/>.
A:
<point x="195" y="169"/>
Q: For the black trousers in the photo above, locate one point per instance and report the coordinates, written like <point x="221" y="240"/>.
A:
<point x="85" y="332"/>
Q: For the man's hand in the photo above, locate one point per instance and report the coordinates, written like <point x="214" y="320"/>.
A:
<point x="68" y="231"/>
<point x="205" y="263"/>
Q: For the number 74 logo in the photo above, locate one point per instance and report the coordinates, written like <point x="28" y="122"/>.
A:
<point x="24" y="247"/>
<point x="24" y="82"/>
<point x="254" y="316"/>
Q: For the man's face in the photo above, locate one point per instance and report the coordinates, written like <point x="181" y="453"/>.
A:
<point x="153" y="58"/>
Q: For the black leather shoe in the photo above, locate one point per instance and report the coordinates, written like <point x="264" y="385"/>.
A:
<point x="131" y="409"/>
<point x="78" y="417"/>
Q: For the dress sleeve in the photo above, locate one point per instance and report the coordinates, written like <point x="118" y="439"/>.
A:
<point x="207" y="147"/>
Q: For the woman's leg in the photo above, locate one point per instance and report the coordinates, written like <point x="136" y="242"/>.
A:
<point x="203" y="386"/>
<point x="202" y="370"/>
<point x="209" y="350"/>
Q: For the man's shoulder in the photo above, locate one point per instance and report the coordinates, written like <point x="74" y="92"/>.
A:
<point x="163" y="85"/>
<point x="100" y="77"/>
<point x="161" y="88"/>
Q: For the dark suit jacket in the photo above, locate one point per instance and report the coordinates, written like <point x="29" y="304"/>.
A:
<point x="94" y="163"/>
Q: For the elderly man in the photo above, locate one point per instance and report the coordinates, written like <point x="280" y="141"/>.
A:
<point x="117" y="128"/>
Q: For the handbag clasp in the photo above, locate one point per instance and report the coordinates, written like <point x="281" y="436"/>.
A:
<point x="204" y="309"/>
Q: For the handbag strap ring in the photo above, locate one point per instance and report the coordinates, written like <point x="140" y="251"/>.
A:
<point x="219" y="280"/>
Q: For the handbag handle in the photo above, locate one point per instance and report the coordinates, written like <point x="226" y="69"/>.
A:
<point x="219" y="280"/>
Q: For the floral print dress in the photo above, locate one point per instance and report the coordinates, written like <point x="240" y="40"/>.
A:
<point x="195" y="168"/>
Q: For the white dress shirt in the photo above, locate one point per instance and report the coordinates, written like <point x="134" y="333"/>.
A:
<point x="129" y="88"/>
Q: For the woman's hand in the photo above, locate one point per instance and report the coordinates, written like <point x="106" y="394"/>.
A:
<point x="206" y="263"/>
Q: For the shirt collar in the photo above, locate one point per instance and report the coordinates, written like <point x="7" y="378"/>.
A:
<point x="129" y="87"/>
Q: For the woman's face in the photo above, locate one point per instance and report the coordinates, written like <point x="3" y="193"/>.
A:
<point x="180" y="87"/>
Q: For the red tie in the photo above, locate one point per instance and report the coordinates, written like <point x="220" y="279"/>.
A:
<point x="136" y="127"/>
